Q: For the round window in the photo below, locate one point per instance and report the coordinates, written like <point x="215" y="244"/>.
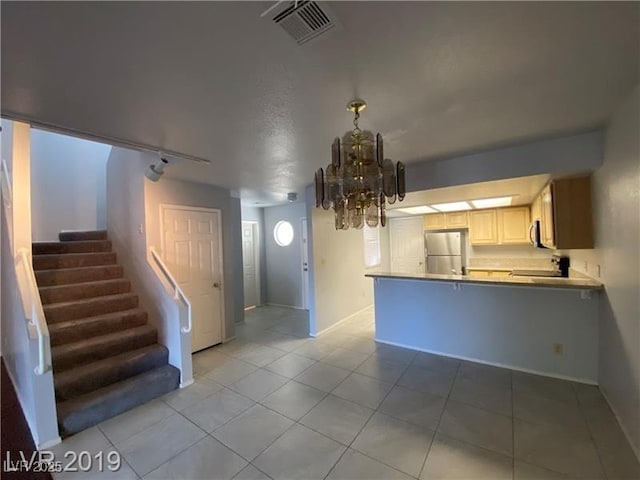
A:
<point x="283" y="233"/>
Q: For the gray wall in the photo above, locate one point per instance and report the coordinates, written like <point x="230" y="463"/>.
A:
<point x="572" y="153"/>
<point x="284" y="264"/>
<point x="508" y="326"/>
<point x="128" y="191"/>
<point x="256" y="214"/>
<point x="68" y="184"/>
<point x="616" y="200"/>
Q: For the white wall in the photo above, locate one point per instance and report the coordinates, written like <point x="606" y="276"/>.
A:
<point x="616" y="200"/>
<point x="514" y="327"/>
<point x="68" y="184"/>
<point x="19" y="348"/>
<point x="284" y="264"/>
<point x="256" y="214"/>
<point x="340" y="288"/>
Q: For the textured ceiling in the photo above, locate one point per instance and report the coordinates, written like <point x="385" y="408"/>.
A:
<point x="217" y="81"/>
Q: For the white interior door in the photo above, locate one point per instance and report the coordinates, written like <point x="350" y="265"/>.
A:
<point x="192" y="250"/>
<point x="250" y="262"/>
<point x="305" y="265"/>
<point x="407" y="245"/>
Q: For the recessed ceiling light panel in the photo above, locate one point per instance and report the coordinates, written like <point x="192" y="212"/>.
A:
<point x="452" y="206"/>
<point x="421" y="210"/>
<point x="492" y="202"/>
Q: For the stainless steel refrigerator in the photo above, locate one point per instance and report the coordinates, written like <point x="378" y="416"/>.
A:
<point x="444" y="253"/>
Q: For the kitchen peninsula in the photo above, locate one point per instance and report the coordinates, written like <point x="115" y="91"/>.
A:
<point x="536" y="324"/>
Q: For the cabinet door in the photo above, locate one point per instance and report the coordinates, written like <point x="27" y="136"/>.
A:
<point x="434" y="221"/>
<point x="513" y="225"/>
<point x="479" y="273"/>
<point x="483" y="227"/>
<point x="456" y="220"/>
<point x="500" y="274"/>
<point x="547" y="221"/>
<point x="536" y="208"/>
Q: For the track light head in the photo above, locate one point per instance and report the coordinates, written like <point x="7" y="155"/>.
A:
<point x="155" y="171"/>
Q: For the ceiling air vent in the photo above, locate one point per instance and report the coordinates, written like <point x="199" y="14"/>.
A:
<point x="304" y="21"/>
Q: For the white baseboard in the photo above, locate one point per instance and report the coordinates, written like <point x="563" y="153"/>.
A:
<point x="284" y="306"/>
<point x="186" y="384"/>
<point x="340" y="322"/>
<point x="634" y="448"/>
<point x="493" y="364"/>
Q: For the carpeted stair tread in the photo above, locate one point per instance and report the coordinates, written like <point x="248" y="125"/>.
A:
<point x="88" y="307"/>
<point x="64" y="276"/>
<point x="87" y="410"/>
<point x="72" y="260"/>
<point x="86" y="246"/>
<point x="82" y="235"/>
<point x="70" y="355"/>
<point x="86" y="378"/>
<point x="81" y="328"/>
<point x="70" y="292"/>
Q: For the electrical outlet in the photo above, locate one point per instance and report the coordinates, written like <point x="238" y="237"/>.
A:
<point x="558" y="349"/>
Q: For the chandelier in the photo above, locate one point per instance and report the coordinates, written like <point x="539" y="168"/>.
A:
<point x="359" y="181"/>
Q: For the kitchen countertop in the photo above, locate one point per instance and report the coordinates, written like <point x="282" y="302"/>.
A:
<point x="546" y="282"/>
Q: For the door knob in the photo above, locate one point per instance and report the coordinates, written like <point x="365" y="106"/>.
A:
<point x="216" y="285"/>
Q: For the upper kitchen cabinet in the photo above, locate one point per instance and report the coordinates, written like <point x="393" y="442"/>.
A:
<point x="513" y="225"/>
<point x="434" y="221"/>
<point x="483" y="227"/>
<point x="566" y="221"/>
<point x="442" y="221"/>
<point x="536" y="208"/>
<point x="456" y="220"/>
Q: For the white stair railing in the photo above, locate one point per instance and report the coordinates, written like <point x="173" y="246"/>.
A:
<point x="33" y="311"/>
<point x="171" y="284"/>
<point x="27" y="286"/>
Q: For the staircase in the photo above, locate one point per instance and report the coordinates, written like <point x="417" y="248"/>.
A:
<point x="106" y="357"/>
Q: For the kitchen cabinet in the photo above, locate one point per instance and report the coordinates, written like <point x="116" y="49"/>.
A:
<point x="443" y="221"/>
<point x="483" y="227"/>
<point x="456" y="220"/>
<point x="513" y="225"/>
<point x="489" y="273"/>
<point x="434" y="221"/>
<point x="536" y="208"/>
<point x="566" y="218"/>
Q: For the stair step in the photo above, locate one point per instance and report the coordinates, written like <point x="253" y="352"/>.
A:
<point x="81" y="328"/>
<point x="73" y="260"/>
<point x="88" y="410"/>
<point x="67" y="293"/>
<point x="89" y="307"/>
<point x="64" y="276"/>
<point x="90" y="246"/>
<point x="87" y="378"/>
<point x="92" y="349"/>
<point x="81" y="235"/>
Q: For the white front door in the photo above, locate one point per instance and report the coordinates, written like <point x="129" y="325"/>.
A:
<point x="250" y="264"/>
<point x="305" y="265"/>
<point x="407" y="245"/>
<point x="192" y="250"/>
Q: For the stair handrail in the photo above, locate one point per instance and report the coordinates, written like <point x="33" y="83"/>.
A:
<point x="33" y="311"/>
<point x="178" y="294"/>
<point x="7" y="199"/>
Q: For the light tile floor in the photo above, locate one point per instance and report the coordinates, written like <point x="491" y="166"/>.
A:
<point x="275" y="404"/>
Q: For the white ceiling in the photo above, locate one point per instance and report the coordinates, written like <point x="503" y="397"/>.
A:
<point x="215" y="80"/>
<point x="522" y="189"/>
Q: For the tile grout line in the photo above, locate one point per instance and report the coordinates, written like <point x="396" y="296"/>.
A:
<point x="435" y="430"/>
